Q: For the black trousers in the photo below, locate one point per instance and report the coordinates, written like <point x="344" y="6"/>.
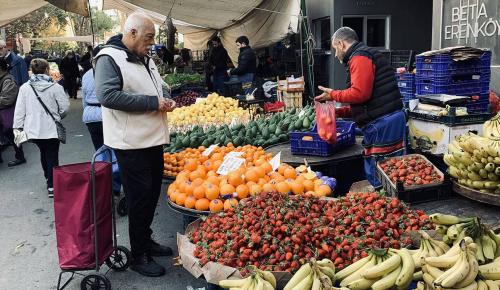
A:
<point x="9" y="135"/>
<point x="71" y="86"/>
<point x="141" y="173"/>
<point x="49" y="156"/>
<point x="95" y="130"/>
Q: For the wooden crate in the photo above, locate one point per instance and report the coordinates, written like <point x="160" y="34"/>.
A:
<point x="291" y="99"/>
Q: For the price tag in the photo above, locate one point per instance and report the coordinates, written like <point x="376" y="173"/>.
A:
<point x="209" y="150"/>
<point x="230" y="164"/>
<point x="301" y="113"/>
<point x="199" y="100"/>
<point x="276" y="161"/>
<point x="233" y="154"/>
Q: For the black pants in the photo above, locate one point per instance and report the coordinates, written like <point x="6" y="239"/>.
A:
<point x="70" y="86"/>
<point x="95" y="130"/>
<point x="49" y="156"/>
<point x="141" y="173"/>
<point x="9" y="135"/>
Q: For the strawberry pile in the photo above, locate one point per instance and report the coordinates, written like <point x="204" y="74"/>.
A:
<point x="410" y="170"/>
<point x="280" y="233"/>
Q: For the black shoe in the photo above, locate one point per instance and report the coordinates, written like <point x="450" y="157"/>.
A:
<point x="158" y="250"/>
<point x="50" y="192"/>
<point x="146" y="266"/>
<point x="16" y="162"/>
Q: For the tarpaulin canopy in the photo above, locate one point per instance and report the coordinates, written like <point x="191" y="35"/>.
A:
<point x="14" y="9"/>
<point x="84" y="38"/>
<point x="263" y="22"/>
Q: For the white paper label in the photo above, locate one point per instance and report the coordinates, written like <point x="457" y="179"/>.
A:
<point x="230" y="164"/>
<point x="209" y="150"/>
<point x="276" y="161"/>
<point x="233" y="154"/>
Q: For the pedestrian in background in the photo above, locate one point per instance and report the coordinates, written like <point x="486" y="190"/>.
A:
<point x="8" y="97"/>
<point x="247" y="64"/>
<point x="92" y="113"/>
<point x="17" y="65"/>
<point x="31" y="116"/>
<point x="218" y="60"/>
<point x="70" y="72"/>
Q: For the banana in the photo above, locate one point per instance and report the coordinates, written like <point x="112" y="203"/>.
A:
<point x="491" y="270"/>
<point x="444" y="247"/>
<point x="480" y="252"/>
<point x="357" y="275"/>
<point x="492" y="285"/>
<point x="496" y="239"/>
<point x="488" y="251"/>
<point x="481" y="285"/>
<point x="421" y="285"/>
<point x="417" y="276"/>
<point x="432" y="252"/>
<point x="352" y="268"/>
<point x="433" y="271"/>
<point x="326" y="282"/>
<point x="316" y="285"/>
<point x="387" y="281"/>
<point x="305" y="283"/>
<point x="442" y="229"/>
<point x="429" y="280"/>
<point x="407" y="268"/>
<point x="327" y="271"/>
<point x="473" y="271"/>
<point x="267" y="285"/>
<point x="471" y="286"/>
<point x="447" y="220"/>
<point x="442" y="261"/>
<point x="268" y="276"/>
<point x="259" y="285"/>
<point x="303" y="273"/>
<point x="326" y="263"/>
<point x="457" y="274"/>
<point x="452" y="231"/>
<point x="383" y="268"/>
<point x="361" y="284"/>
<point x="234" y="283"/>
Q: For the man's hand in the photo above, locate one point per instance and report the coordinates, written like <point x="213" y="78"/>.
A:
<point x="325" y="96"/>
<point x="166" y="105"/>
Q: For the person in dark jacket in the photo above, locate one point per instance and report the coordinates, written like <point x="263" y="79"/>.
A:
<point x="166" y="56"/>
<point x="86" y="60"/>
<point x="8" y="96"/>
<point x="70" y="72"/>
<point x="218" y="60"/>
<point x="17" y="66"/>
<point x="374" y="98"/>
<point x="27" y="59"/>
<point x="247" y="63"/>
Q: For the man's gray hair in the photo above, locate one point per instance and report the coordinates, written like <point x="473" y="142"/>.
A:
<point x="135" y="21"/>
<point x="2" y="42"/>
<point x="345" y="33"/>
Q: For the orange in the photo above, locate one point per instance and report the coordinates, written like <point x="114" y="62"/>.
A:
<point x="227" y="189"/>
<point x="260" y="171"/>
<point x="216" y="205"/>
<point x="255" y="189"/>
<point x="202" y="171"/>
<point x="324" y="190"/>
<point x="173" y="195"/>
<point x="251" y="175"/>
<point x="267" y="167"/>
<point x="242" y="191"/>
<point x="199" y="191"/>
<point x="213" y="180"/>
<point x="171" y="188"/>
<point x="194" y="175"/>
<point x="180" y="199"/>
<point x="308" y="185"/>
<point x="260" y="161"/>
<point x="190" y="202"/>
<point x="310" y="193"/>
<point x="281" y="169"/>
<point x="190" y="165"/>
<point x="268" y="188"/>
<point x="234" y="178"/>
<point x="283" y="187"/>
<point x="202" y="204"/>
<point x="290" y="173"/>
<point x="217" y="156"/>
<point x="211" y="173"/>
<point x="230" y="204"/>
<point x="216" y="165"/>
<point x="198" y="182"/>
<point x="212" y="191"/>
<point x="297" y="187"/>
<point x="300" y="179"/>
<point x="188" y="189"/>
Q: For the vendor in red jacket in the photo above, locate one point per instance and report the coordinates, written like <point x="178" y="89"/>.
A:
<point x="374" y="99"/>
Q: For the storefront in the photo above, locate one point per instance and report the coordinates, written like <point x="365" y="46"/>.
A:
<point x="473" y="23"/>
<point x="388" y="25"/>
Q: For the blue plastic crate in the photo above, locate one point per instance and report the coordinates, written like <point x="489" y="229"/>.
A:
<point x="478" y="107"/>
<point x="443" y="65"/>
<point x="407" y="96"/>
<point x="465" y="85"/>
<point x="406" y="81"/>
<point x="318" y="147"/>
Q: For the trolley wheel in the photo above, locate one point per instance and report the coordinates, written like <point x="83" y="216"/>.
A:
<point x="122" y="207"/>
<point x="95" y="281"/>
<point x="119" y="259"/>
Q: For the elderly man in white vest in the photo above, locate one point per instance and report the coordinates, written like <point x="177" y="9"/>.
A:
<point x="134" y="115"/>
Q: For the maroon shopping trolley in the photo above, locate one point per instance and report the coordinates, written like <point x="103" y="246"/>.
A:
<point x="85" y="223"/>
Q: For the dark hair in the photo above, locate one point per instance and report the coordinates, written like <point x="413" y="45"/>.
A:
<point x="96" y="50"/>
<point x="39" y="66"/>
<point x="89" y="48"/>
<point x="4" y="65"/>
<point x="216" y="39"/>
<point x="243" y="39"/>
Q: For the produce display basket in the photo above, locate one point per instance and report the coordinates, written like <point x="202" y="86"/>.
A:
<point x="452" y="120"/>
<point x="415" y="193"/>
<point x="484" y="197"/>
<point x="186" y="211"/>
<point x="213" y="272"/>
<point x="301" y="143"/>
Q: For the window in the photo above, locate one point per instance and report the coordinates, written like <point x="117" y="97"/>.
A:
<point x="372" y="30"/>
<point x="322" y="32"/>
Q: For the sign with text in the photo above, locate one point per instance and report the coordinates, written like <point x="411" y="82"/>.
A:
<point x="229" y="164"/>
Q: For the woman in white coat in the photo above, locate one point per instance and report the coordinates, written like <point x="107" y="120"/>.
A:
<point x="31" y="117"/>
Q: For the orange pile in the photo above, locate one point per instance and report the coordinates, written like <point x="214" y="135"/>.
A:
<point x="199" y="187"/>
<point x="173" y="163"/>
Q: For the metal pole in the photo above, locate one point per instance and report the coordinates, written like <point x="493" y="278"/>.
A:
<point x="91" y="23"/>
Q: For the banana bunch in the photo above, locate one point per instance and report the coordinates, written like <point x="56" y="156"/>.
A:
<point x="380" y="270"/>
<point x="454" y="229"/>
<point x="475" y="161"/>
<point x="491" y="271"/>
<point x="314" y="275"/>
<point x="258" y="280"/>
<point x="491" y="128"/>
<point x="428" y="248"/>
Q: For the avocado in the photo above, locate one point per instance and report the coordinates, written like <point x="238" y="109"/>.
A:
<point x="306" y="124"/>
